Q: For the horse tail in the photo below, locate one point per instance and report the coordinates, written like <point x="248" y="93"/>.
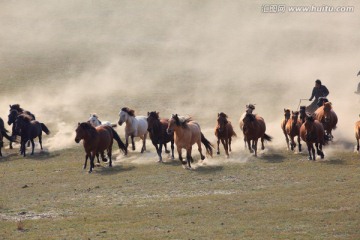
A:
<point x="267" y="137"/>
<point x="233" y="134"/>
<point x="207" y="144"/>
<point x="45" y="129"/>
<point x="121" y="145"/>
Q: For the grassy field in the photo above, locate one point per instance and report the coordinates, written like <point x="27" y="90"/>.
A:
<point x="279" y="195"/>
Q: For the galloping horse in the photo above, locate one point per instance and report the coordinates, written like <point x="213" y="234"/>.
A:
<point x="97" y="140"/>
<point x="224" y="132"/>
<point x="249" y="109"/>
<point x="28" y="130"/>
<point x="253" y="129"/>
<point x="283" y="124"/>
<point x="326" y="115"/>
<point x="157" y="129"/>
<point x="16" y="110"/>
<point x="293" y="129"/>
<point x="312" y="131"/>
<point x="186" y="133"/>
<point x="3" y="133"/>
<point x="95" y="121"/>
<point x="357" y="133"/>
<point x="135" y="127"/>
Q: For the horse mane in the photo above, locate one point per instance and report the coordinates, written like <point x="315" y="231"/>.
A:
<point x="24" y="117"/>
<point x="94" y="115"/>
<point x="154" y="114"/>
<point x="183" y="121"/>
<point x="129" y="111"/>
<point x="250" y="116"/>
<point x="327" y="106"/>
<point x="223" y="116"/>
<point x="88" y="126"/>
<point x="16" y="107"/>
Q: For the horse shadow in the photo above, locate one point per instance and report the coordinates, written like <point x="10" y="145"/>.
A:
<point x="273" y="158"/>
<point x="105" y="170"/>
<point x="334" y="162"/>
<point x="42" y="156"/>
<point x="208" y="169"/>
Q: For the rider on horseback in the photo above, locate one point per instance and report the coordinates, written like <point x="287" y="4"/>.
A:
<point x="319" y="92"/>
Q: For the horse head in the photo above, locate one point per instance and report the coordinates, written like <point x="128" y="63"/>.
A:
<point x="222" y="121"/>
<point x="327" y="112"/>
<point x="82" y="131"/>
<point x="94" y="120"/>
<point x="287" y="113"/>
<point x="12" y="116"/>
<point x="309" y="126"/>
<point x="124" y="114"/>
<point x="153" y="119"/>
<point x="22" y="120"/>
<point x="250" y="108"/>
<point x="174" y="121"/>
<point x="294" y="116"/>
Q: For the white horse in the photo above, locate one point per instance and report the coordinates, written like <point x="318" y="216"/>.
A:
<point x="94" y="121"/>
<point x="135" y="127"/>
<point x="249" y="109"/>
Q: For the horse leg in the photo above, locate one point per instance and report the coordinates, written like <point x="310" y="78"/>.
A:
<point x="180" y="156"/>
<point x="230" y="144"/>
<point x="23" y="147"/>
<point x="92" y="157"/>
<point x="249" y="146"/>
<point x="144" y="141"/>
<point x="262" y="143"/>
<point x="32" y="146"/>
<point x="86" y="158"/>
<point x="309" y="145"/>
<point x="133" y="144"/>
<point x="160" y="151"/>
<point x="287" y="140"/>
<point x="157" y="150"/>
<point x="172" y="150"/>
<point x="126" y="142"/>
<point x="358" y="146"/>
<point x="293" y="145"/>
<point x="188" y="157"/>
<point x="109" y="152"/>
<point x="299" y="143"/>
<point x="319" y="150"/>
<point x="313" y="152"/>
<point x="40" y="141"/>
<point x="199" y="149"/>
<point x="218" y="147"/>
<point x="224" y="143"/>
<point x="255" y="146"/>
<point x="166" y="150"/>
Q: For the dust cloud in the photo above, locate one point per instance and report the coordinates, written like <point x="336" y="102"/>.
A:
<point x="64" y="60"/>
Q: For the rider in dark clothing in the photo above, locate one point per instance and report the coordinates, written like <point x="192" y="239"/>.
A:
<point x="318" y="91"/>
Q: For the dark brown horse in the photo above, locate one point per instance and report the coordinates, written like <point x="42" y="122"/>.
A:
<point x="28" y="130"/>
<point x="157" y="128"/>
<point x="283" y="124"/>
<point x="312" y="132"/>
<point x="186" y="133"/>
<point x="16" y="110"/>
<point x="96" y="141"/>
<point x="3" y="133"/>
<point x="253" y="129"/>
<point x="224" y="132"/>
<point x="292" y="129"/>
<point x="326" y="115"/>
<point x="302" y="114"/>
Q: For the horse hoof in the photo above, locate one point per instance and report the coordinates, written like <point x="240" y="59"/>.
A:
<point x="202" y="158"/>
<point x="218" y="153"/>
<point x="172" y="158"/>
<point x="90" y="171"/>
<point x="227" y="156"/>
<point x="167" y="151"/>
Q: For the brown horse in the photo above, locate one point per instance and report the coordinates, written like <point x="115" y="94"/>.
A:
<point x="253" y="129"/>
<point x="157" y="129"/>
<point x="302" y="114"/>
<point x="283" y="124"/>
<point x="224" y="132"/>
<point x="186" y="133"/>
<point x="326" y="115"/>
<point x="293" y="129"/>
<point x="357" y="133"/>
<point x="96" y="141"/>
<point x="312" y="131"/>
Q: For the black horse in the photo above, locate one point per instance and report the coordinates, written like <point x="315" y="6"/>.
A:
<point x="3" y="133"/>
<point x="28" y="130"/>
<point x="158" y="135"/>
<point x="16" y="110"/>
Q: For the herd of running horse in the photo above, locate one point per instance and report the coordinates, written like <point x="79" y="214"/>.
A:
<point x="314" y="129"/>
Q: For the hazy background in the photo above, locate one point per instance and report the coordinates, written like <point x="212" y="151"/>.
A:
<point x="65" y="59"/>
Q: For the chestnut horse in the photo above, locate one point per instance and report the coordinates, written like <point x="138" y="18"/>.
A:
<point x="157" y="130"/>
<point x="312" y="132"/>
<point x="326" y="115"/>
<point x="224" y="132"/>
<point x="186" y="133"/>
<point x="253" y="129"/>
<point x="249" y="109"/>
<point x="293" y="129"/>
<point x="96" y="141"/>
<point x="357" y="134"/>
<point x="283" y="124"/>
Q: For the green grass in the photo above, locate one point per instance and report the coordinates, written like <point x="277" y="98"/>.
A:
<point x="279" y="195"/>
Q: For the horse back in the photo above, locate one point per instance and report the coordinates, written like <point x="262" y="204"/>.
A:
<point x="105" y="137"/>
<point x="142" y="125"/>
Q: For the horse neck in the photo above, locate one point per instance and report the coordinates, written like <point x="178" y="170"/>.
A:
<point x="179" y="131"/>
<point x="130" y="121"/>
